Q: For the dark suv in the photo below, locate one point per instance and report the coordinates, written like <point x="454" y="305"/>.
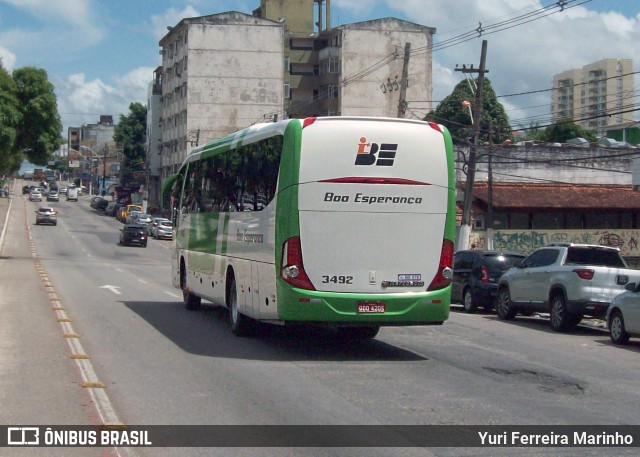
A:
<point x="133" y="235"/>
<point x="476" y="274"/>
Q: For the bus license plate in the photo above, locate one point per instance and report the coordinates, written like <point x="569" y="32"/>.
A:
<point x="371" y="308"/>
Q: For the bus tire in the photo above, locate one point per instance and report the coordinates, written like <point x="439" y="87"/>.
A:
<point x="240" y="324"/>
<point x="191" y="302"/>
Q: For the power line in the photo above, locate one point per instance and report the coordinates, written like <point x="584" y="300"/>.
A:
<point x="569" y="86"/>
<point x="550" y="8"/>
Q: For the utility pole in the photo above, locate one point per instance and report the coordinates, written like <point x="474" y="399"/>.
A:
<point x="404" y="83"/>
<point x="489" y="221"/>
<point x="465" y="228"/>
<point x="104" y="169"/>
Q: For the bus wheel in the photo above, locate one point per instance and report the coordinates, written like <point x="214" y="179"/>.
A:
<point x="191" y="302"/>
<point x="240" y="324"/>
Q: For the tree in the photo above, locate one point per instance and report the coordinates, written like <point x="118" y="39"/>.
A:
<point x="454" y="114"/>
<point x="535" y="133"/>
<point x="131" y="134"/>
<point x="10" y="117"/>
<point x="566" y="129"/>
<point x="39" y="132"/>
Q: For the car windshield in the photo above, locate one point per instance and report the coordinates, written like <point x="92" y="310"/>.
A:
<point x="166" y="224"/>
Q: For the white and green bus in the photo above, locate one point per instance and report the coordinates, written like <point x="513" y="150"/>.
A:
<point x="340" y="221"/>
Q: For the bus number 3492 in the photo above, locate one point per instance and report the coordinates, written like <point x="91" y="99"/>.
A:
<point x="337" y="279"/>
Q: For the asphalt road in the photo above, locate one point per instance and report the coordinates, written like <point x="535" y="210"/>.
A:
<point x="161" y="364"/>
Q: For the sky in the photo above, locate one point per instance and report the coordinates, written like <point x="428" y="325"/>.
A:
<point x="100" y="55"/>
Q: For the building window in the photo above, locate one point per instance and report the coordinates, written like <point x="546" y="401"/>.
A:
<point x="329" y="91"/>
<point x="287" y="90"/>
<point x="287" y="64"/>
<point x="299" y="43"/>
<point x="302" y="69"/>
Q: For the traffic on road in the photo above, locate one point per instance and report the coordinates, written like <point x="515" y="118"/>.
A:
<point x="158" y="363"/>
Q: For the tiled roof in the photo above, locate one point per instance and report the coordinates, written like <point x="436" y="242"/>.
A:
<point x="559" y="196"/>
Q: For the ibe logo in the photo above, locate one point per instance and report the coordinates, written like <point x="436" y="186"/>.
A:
<point x="382" y="155"/>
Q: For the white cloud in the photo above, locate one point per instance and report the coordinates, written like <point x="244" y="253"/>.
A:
<point x="8" y="59"/>
<point x="170" y="18"/>
<point x="81" y="101"/>
<point x="80" y="16"/>
<point x="523" y="58"/>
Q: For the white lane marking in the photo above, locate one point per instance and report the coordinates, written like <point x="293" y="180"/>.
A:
<point x="113" y="289"/>
<point x="171" y="294"/>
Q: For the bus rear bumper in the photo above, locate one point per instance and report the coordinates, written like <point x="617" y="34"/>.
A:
<point x="425" y="308"/>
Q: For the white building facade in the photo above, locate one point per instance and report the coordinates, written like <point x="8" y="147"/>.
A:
<point x="221" y="73"/>
<point x="597" y="97"/>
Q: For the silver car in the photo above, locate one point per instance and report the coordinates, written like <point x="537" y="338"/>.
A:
<point x="143" y="219"/>
<point x="623" y="315"/>
<point x="35" y="196"/>
<point x="162" y="229"/>
<point x="46" y="215"/>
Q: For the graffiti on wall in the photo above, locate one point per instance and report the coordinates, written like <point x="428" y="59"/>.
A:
<point x="526" y="241"/>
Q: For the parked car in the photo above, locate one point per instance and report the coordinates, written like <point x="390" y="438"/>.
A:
<point x="143" y="219"/>
<point x="623" y="315"/>
<point x="133" y="235"/>
<point x="99" y="203"/>
<point x="35" y="196"/>
<point x="46" y="215"/>
<point x="566" y="280"/>
<point x="476" y="274"/>
<point x="154" y="222"/>
<point x="162" y="229"/>
<point x="53" y="196"/>
<point x="124" y="213"/>
<point x="131" y="217"/>
<point x="95" y="200"/>
<point x="112" y="208"/>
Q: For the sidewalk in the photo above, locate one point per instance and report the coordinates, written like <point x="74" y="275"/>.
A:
<point x="39" y="381"/>
<point x="4" y="209"/>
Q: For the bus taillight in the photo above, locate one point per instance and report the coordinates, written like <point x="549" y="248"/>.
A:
<point x="292" y="268"/>
<point x="445" y="268"/>
<point x="435" y="126"/>
<point x="308" y="121"/>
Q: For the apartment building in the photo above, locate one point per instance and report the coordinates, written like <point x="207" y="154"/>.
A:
<point x="597" y="97"/>
<point x="221" y="73"/>
<point x="224" y="72"/>
<point x="93" y="155"/>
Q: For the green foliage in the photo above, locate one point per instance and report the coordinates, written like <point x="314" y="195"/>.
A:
<point x="131" y="134"/>
<point x="456" y="117"/>
<point x="10" y="117"/>
<point x="39" y="132"/>
<point x="536" y="133"/>
<point x="565" y="130"/>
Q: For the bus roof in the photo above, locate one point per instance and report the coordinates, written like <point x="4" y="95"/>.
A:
<point x="261" y="131"/>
